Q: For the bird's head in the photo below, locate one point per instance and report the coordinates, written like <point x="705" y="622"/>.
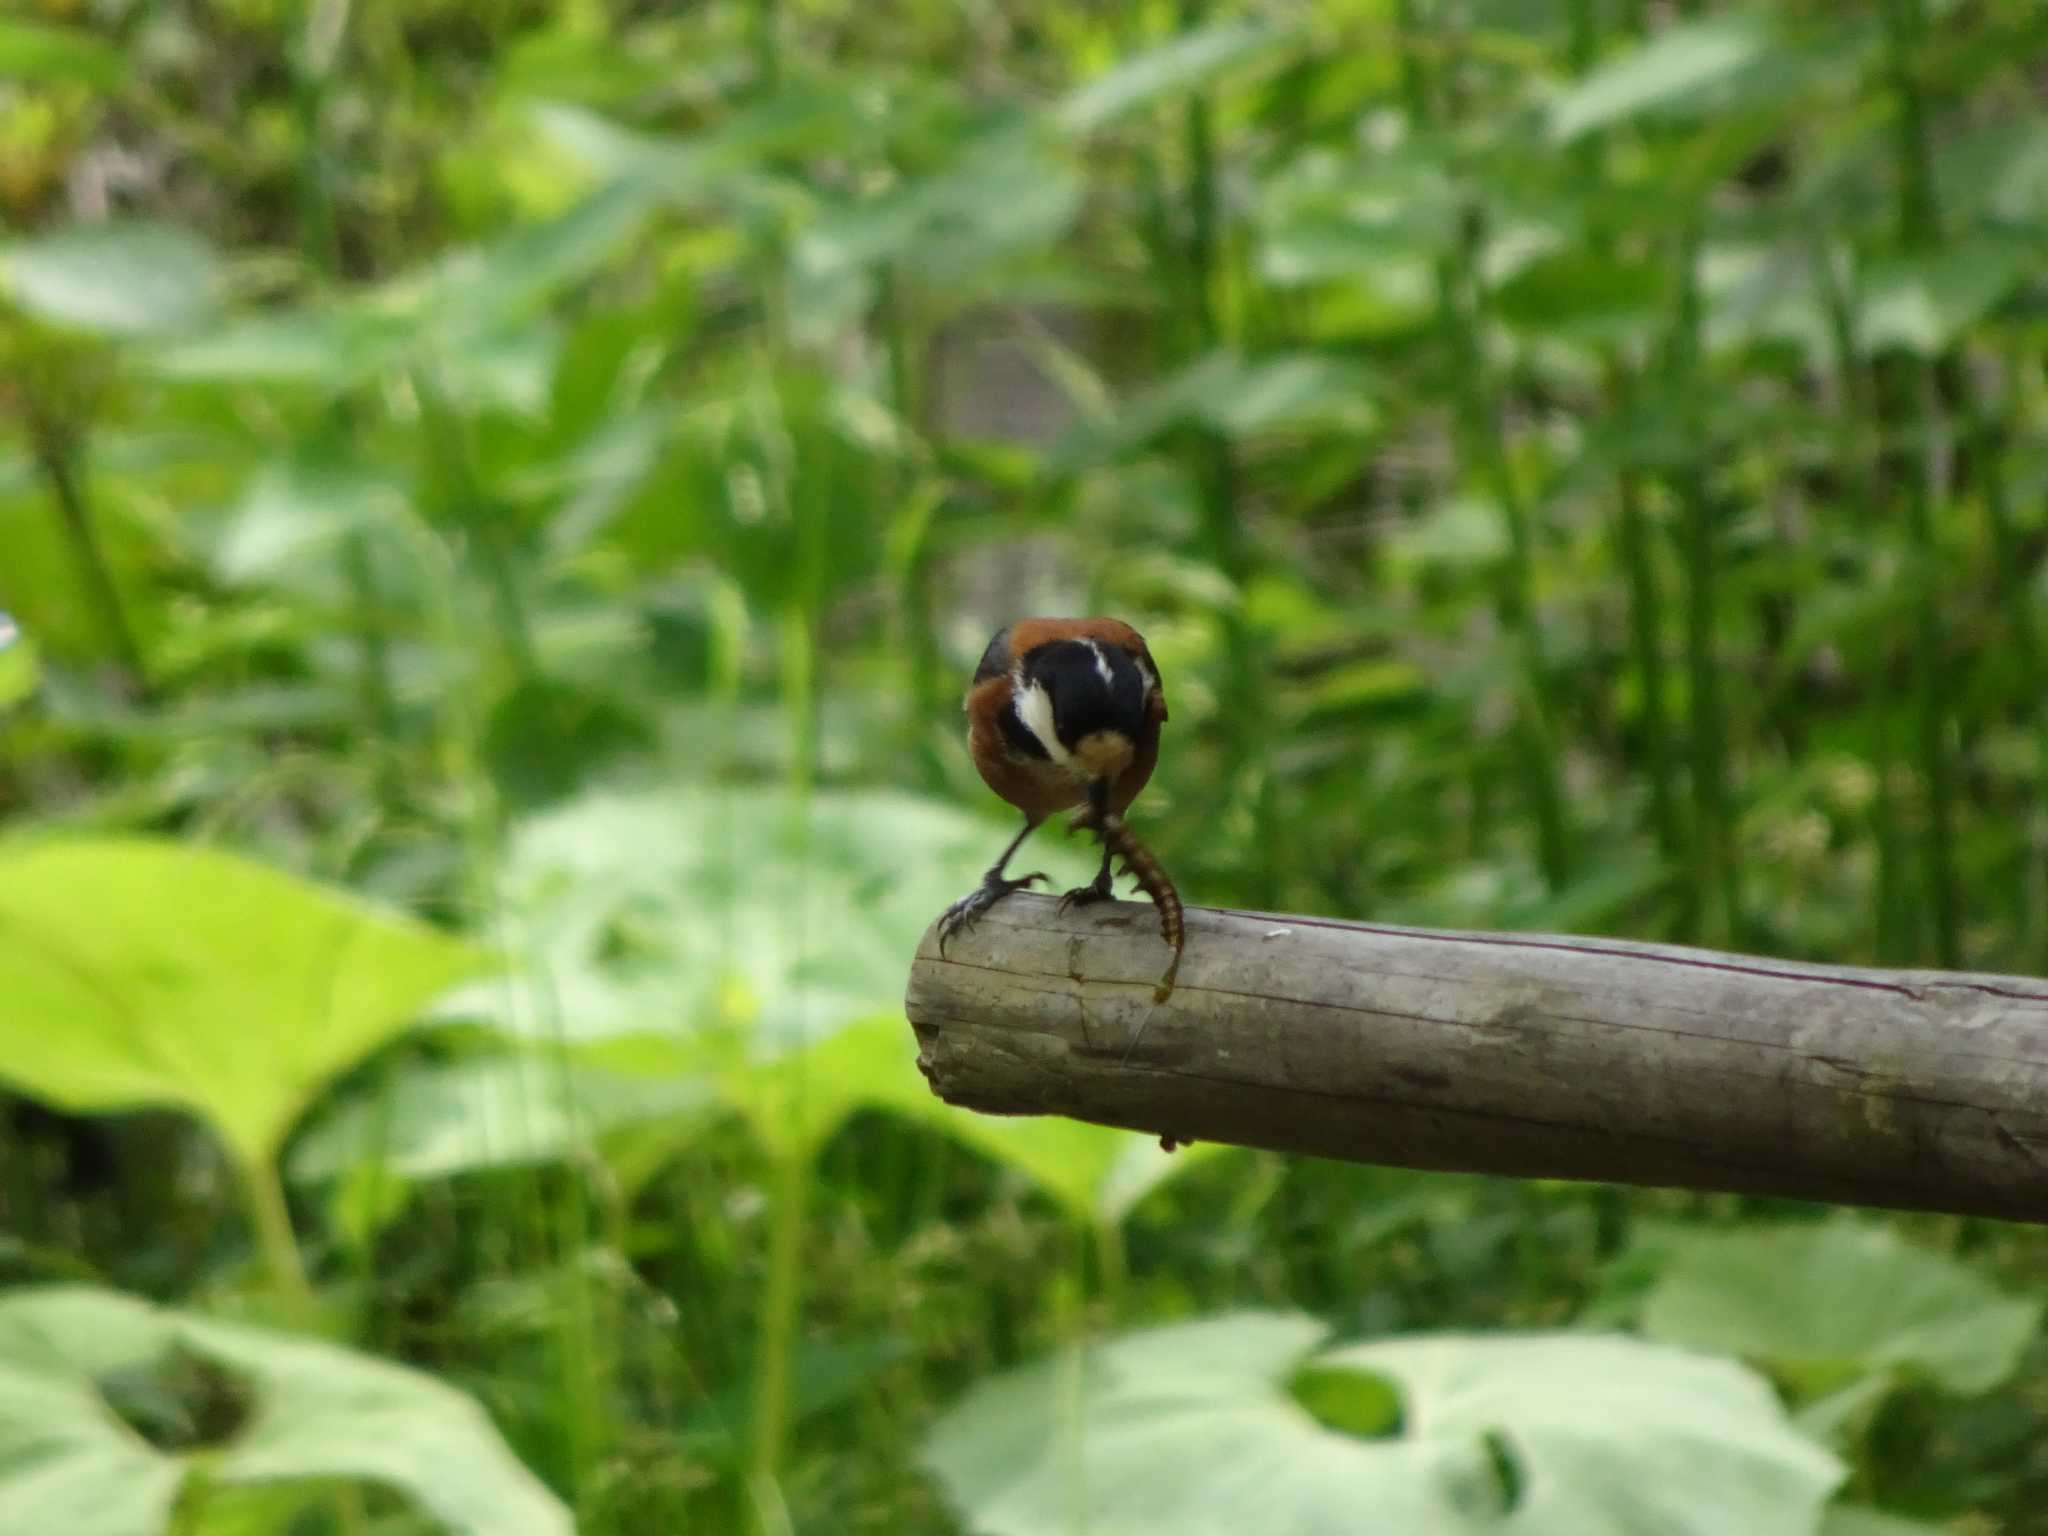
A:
<point x="1085" y="699"/>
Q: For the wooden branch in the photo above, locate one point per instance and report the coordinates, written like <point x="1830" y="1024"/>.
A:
<point x="1522" y="1054"/>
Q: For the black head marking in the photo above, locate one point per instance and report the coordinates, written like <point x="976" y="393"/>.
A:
<point x="1094" y="685"/>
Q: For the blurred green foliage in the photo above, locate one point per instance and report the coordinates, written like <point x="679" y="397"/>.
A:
<point x="511" y="494"/>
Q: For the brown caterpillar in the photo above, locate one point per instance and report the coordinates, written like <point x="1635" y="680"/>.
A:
<point x="1152" y="879"/>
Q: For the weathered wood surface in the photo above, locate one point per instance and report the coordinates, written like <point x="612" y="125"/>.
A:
<point x="1523" y="1054"/>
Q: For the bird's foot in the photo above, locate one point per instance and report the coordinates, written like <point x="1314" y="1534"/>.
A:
<point x="968" y="909"/>
<point x="1087" y="895"/>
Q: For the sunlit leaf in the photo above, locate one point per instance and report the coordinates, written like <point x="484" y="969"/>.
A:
<point x="1185" y="63"/>
<point x="1663" y="73"/>
<point x="123" y="279"/>
<point x="253" y="1407"/>
<point x="143" y="972"/>
<point x="1845" y="1298"/>
<point x="32" y="51"/>
<point x="1922" y="303"/>
<point x="490" y="1112"/>
<point x="326" y="348"/>
<point x="1193" y="1429"/>
<point x="292" y="515"/>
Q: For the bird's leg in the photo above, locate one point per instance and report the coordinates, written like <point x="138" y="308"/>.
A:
<point x="1101" y="890"/>
<point x="993" y="888"/>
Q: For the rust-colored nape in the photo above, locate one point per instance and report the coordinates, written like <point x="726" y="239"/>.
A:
<point x="1152" y="880"/>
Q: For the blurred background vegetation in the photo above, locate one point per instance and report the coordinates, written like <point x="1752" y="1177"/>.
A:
<point x="511" y="493"/>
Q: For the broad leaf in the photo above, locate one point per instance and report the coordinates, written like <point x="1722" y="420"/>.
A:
<point x="130" y="279"/>
<point x="1826" y="1303"/>
<point x="646" y="921"/>
<point x="144" y="972"/>
<point x="1193" y="1429"/>
<point x="256" y="1407"/>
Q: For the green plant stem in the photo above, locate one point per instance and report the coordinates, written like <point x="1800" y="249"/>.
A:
<point x="271" y="1217"/>
<point x="1905" y="29"/>
<point x="1632" y="533"/>
<point x="1632" y="536"/>
<point x="1856" y="458"/>
<point x="775" y="1336"/>
<point x="1715" y="886"/>
<point x="1216" y="476"/>
<point x="57" y="447"/>
<point x="319" y="238"/>
<point x="1460" y="303"/>
<point x="2019" y="614"/>
<point x="454" y="473"/>
<point x="1937" y="768"/>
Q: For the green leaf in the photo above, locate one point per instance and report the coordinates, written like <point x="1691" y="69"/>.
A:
<point x="1234" y="395"/>
<point x="1192" y="1430"/>
<point x="1187" y="62"/>
<point x="144" y="972"/>
<point x="485" y="288"/>
<point x="490" y="1112"/>
<point x="327" y="349"/>
<point x="125" y="279"/>
<point x="1852" y="1520"/>
<point x="29" y="51"/>
<point x="1826" y="1303"/>
<point x="1665" y="74"/>
<point x="646" y="920"/>
<point x="255" y="1407"/>
<point x="1921" y="303"/>
<point x="1094" y="1172"/>
<point x="291" y="517"/>
<point x="1006" y="193"/>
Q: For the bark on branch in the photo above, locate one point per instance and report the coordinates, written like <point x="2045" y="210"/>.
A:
<point x="1522" y="1054"/>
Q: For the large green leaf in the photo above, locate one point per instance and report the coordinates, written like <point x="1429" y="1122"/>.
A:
<point x="1826" y="1303"/>
<point x="254" y="1407"/>
<point x="646" y="920"/>
<point x="1193" y="1429"/>
<point x="723" y="935"/>
<point x="128" y="279"/>
<point x="144" y="972"/>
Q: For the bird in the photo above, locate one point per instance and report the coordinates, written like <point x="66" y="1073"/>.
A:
<point x="1064" y="713"/>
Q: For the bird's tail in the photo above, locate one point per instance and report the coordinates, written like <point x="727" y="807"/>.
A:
<point x="1120" y="840"/>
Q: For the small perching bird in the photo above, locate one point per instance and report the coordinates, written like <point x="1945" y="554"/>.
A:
<point x="1066" y="712"/>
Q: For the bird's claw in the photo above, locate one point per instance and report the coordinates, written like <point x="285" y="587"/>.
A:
<point x="1086" y="895"/>
<point x="968" y="908"/>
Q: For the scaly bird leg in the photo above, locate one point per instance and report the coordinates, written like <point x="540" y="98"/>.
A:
<point x="1119" y="839"/>
<point x="1101" y="890"/>
<point x="993" y="888"/>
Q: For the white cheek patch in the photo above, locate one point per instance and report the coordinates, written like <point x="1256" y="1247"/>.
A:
<point x="1034" y="707"/>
